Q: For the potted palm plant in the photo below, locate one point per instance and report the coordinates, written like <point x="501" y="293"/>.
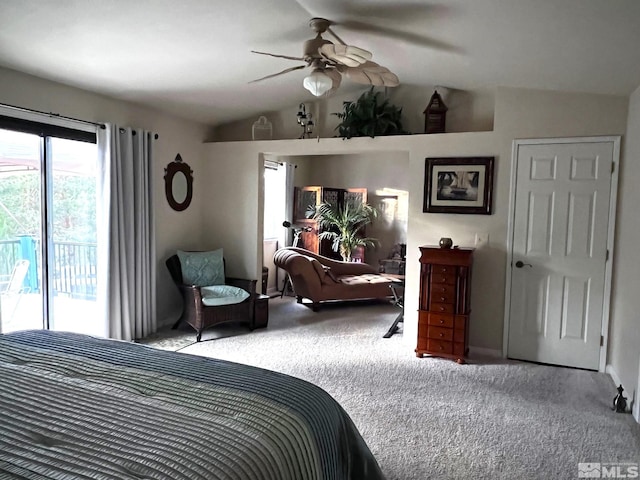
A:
<point x="344" y="224"/>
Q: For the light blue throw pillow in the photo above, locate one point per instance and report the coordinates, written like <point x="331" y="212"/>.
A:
<point x="202" y="268"/>
<point x="216" y="295"/>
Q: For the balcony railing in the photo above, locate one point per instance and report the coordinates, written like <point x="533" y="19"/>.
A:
<point x="74" y="266"/>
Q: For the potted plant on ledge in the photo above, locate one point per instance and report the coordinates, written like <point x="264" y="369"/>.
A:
<point x="369" y="116"/>
<point x="344" y="226"/>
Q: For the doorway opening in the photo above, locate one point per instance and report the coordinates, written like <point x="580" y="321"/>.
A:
<point x="384" y="176"/>
<point x="274" y="233"/>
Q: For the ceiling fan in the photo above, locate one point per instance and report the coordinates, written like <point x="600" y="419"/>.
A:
<point x="330" y="61"/>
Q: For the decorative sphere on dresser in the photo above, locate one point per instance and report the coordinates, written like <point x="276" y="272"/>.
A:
<point x="446" y="242"/>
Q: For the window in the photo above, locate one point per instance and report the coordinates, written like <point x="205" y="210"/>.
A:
<point x="274" y="201"/>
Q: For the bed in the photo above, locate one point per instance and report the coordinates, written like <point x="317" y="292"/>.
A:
<point x="73" y="406"/>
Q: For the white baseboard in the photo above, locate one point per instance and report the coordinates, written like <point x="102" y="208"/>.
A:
<point x="614" y="376"/>
<point x="636" y="402"/>
<point x="616" y="379"/>
<point x="488" y="352"/>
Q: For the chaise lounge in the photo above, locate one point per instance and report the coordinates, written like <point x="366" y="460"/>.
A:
<point x="321" y="279"/>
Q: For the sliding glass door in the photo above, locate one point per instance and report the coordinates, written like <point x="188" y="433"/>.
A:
<point x="47" y="228"/>
<point x="20" y="231"/>
<point x="72" y="241"/>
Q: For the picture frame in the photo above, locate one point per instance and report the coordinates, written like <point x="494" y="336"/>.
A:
<point x="458" y="185"/>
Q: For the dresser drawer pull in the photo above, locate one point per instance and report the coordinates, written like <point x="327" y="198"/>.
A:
<point x="442" y="299"/>
<point x="441" y="321"/>
<point x="442" y="309"/>
<point x="441" y="347"/>
<point x="442" y="334"/>
<point x="443" y="279"/>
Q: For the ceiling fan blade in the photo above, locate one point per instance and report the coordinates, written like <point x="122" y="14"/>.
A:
<point x="399" y="12"/>
<point x="279" y="73"/>
<point x="409" y="37"/>
<point x="356" y="16"/>
<point x="345" y="54"/>
<point x="279" y="56"/>
<point x="371" y="73"/>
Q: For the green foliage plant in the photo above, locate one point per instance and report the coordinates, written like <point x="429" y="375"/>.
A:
<point x="344" y="224"/>
<point x="369" y="116"/>
<point x="74" y="206"/>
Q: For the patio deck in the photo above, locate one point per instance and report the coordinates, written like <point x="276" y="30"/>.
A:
<point x="24" y="312"/>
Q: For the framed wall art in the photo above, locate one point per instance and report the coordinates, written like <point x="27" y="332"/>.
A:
<point x="458" y="185"/>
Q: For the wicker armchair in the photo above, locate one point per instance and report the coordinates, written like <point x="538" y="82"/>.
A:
<point x="200" y="316"/>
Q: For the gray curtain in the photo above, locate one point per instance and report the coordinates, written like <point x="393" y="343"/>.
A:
<point x="126" y="242"/>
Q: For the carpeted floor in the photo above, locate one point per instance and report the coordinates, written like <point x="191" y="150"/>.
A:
<point x="432" y="418"/>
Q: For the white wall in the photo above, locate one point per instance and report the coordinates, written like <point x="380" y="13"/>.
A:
<point x="624" y="339"/>
<point x="518" y="114"/>
<point x="303" y="170"/>
<point x="173" y="229"/>
<point x="521" y="113"/>
<point x="240" y="163"/>
<point x="234" y="209"/>
<point x="469" y="111"/>
<point x="428" y="228"/>
<point x="375" y="172"/>
<point x="226" y="211"/>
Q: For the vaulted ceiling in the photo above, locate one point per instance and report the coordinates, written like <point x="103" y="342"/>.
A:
<point x="193" y="57"/>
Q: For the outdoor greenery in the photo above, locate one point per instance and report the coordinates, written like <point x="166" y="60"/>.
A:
<point x="344" y="226"/>
<point x="74" y="206"/>
<point x="369" y="116"/>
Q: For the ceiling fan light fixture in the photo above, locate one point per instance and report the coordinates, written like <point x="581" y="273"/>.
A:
<point x="318" y="83"/>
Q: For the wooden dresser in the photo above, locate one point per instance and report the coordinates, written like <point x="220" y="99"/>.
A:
<point x="445" y="292"/>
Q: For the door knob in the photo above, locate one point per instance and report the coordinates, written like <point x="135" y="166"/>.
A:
<point x="520" y="264"/>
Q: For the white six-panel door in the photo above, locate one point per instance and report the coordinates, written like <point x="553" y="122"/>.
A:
<point x="559" y="252"/>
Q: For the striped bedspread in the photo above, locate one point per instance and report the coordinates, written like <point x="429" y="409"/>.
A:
<point x="77" y="407"/>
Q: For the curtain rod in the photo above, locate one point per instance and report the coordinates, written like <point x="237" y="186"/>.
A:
<point x="55" y="115"/>
<point x="133" y="132"/>
<point x="275" y="162"/>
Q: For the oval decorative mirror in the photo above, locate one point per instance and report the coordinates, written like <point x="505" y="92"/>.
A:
<point x="178" y="184"/>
